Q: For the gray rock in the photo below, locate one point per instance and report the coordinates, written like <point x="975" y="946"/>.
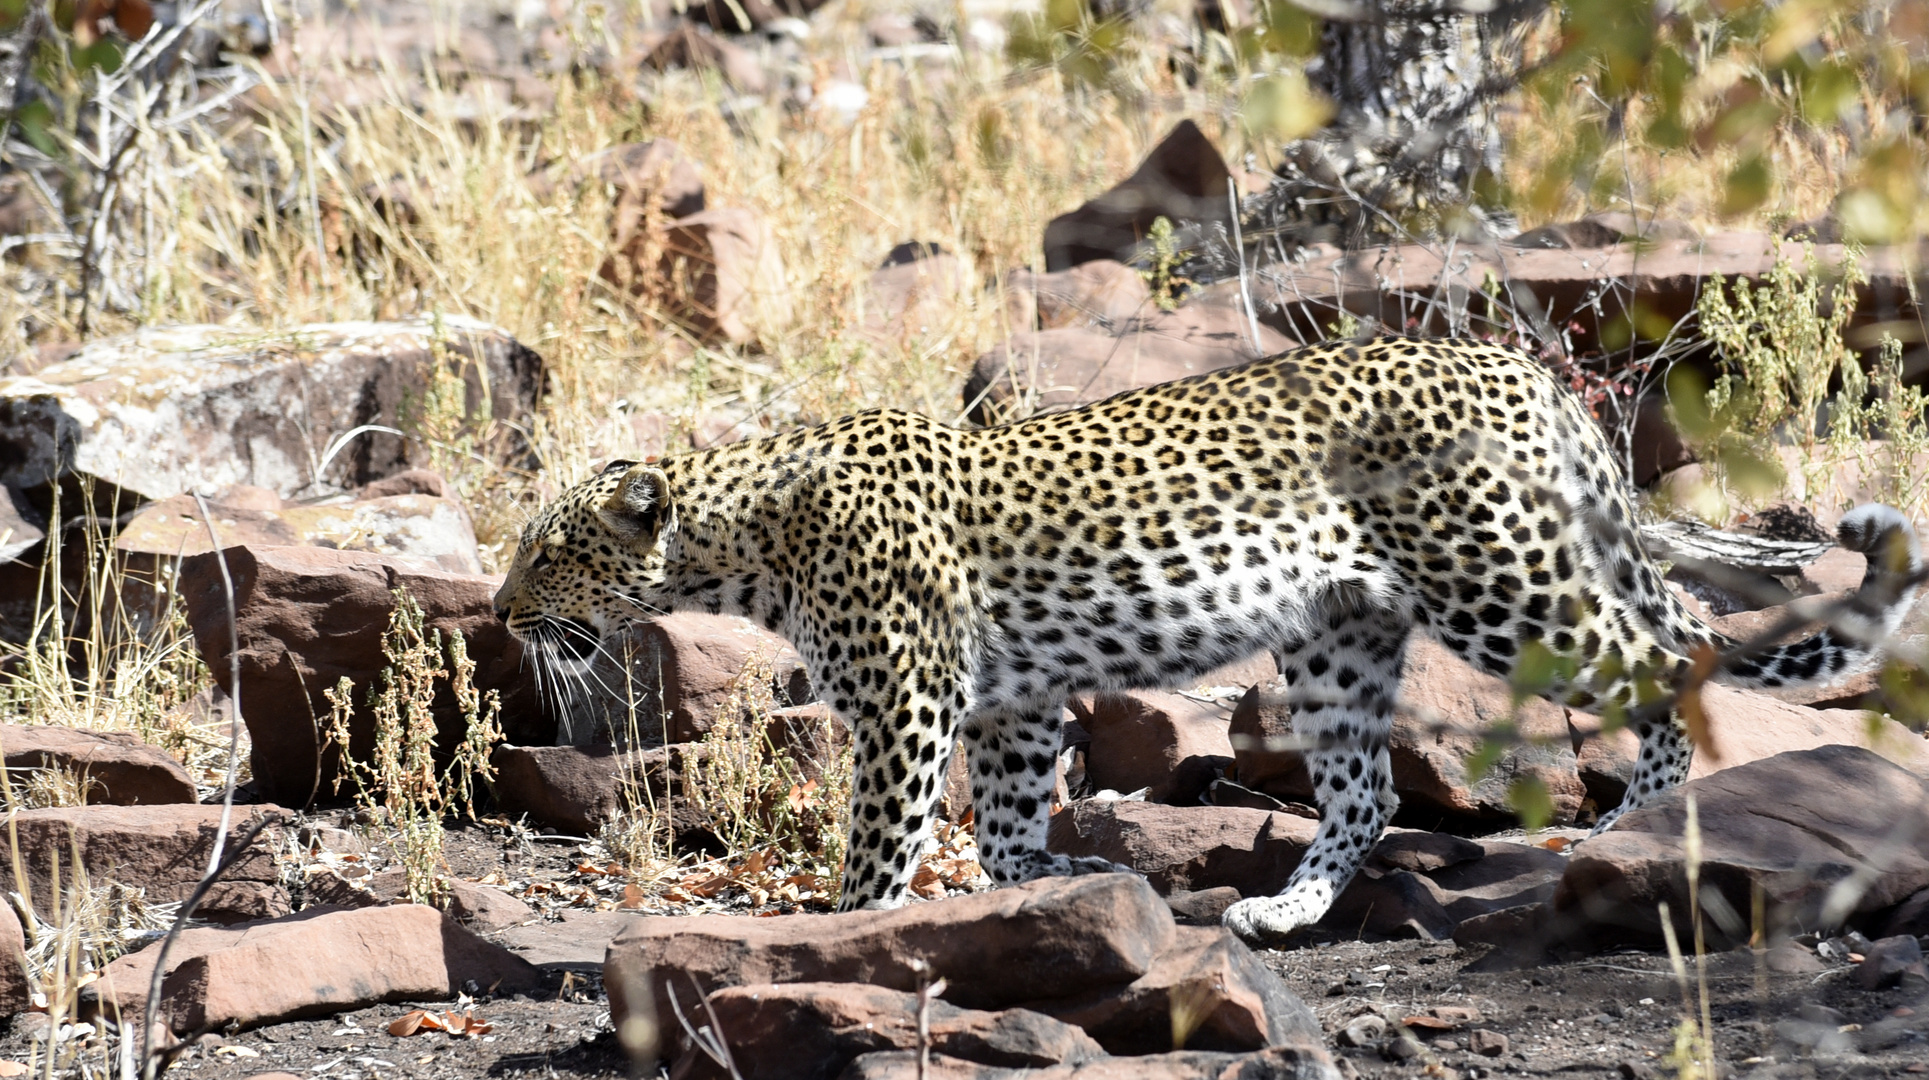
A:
<point x="163" y="411"/>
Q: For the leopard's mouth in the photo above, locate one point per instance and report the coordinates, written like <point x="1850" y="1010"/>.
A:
<point x="571" y="643"/>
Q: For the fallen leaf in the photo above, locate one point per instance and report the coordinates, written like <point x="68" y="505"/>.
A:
<point x="1557" y="843"/>
<point x="12" y="1068"/>
<point x="1429" y="1023"/>
<point x="927" y="884"/>
<point x="408" y="1023"/>
<point x="633" y="897"/>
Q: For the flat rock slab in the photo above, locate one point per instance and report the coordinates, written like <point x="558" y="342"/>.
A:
<point x="163" y="411"/>
<point x="323" y="960"/>
<point x="803" y="1031"/>
<point x="1187" y="848"/>
<point x="1055" y="938"/>
<point x="1099" y="952"/>
<point x="434" y="530"/>
<point x="162" y="849"/>
<point x="578" y="943"/>
<point x="1830" y="836"/>
<point x="118" y="768"/>
<point x="1301" y="1061"/>
<point x="1430" y="283"/>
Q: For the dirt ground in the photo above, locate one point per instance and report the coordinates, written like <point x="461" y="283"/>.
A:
<point x="1606" y="1016"/>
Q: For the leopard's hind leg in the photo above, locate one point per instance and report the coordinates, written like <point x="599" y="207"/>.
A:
<point x="1341" y="687"/>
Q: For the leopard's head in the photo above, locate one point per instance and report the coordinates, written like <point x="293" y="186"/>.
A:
<point x="590" y="563"/>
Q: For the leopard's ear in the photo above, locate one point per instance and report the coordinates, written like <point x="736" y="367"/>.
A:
<point x="619" y="463"/>
<point x="635" y="510"/>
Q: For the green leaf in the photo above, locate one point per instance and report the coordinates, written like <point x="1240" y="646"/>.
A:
<point x="1747" y="186"/>
<point x="1529" y="798"/>
<point x="34" y="119"/>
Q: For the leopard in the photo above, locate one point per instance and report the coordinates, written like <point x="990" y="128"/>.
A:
<point x="949" y="588"/>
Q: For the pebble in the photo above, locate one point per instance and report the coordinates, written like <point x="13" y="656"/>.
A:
<point x="1487" y="1043"/>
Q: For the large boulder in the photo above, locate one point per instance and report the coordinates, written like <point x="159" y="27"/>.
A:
<point x="1183" y="179"/>
<point x="159" y="412"/>
<point x="1100" y="951"/>
<point x="1826" y="837"/>
<point x="690" y="666"/>
<point x="1743" y="726"/>
<point x="435" y="530"/>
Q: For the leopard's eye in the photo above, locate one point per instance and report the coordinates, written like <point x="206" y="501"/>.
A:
<point x="541" y="560"/>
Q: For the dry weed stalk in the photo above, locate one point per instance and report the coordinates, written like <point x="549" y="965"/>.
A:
<point x="398" y="780"/>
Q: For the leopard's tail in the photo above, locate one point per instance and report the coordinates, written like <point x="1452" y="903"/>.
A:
<point x="1853" y="630"/>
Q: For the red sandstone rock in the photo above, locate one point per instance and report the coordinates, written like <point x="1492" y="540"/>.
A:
<point x="1744" y="726"/>
<point x="163" y="849"/>
<point x="320" y="961"/>
<point x="801" y="1031"/>
<point x="1793" y="825"/>
<point x="1153" y="739"/>
<point x="1231" y="1000"/>
<point x="312" y="616"/>
<point x="994" y="949"/>
<point x="118" y="768"/>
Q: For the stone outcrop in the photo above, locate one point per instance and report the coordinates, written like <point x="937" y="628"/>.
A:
<point x="996" y="951"/>
<point x="309" y="617"/>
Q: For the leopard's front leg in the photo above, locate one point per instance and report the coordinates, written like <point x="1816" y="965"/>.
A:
<point x="901" y="740"/>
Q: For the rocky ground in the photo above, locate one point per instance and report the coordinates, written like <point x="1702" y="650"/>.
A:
<point x="695" y="850"/>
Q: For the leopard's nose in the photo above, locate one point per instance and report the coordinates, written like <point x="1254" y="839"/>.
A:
<point x="502" y="612"/>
